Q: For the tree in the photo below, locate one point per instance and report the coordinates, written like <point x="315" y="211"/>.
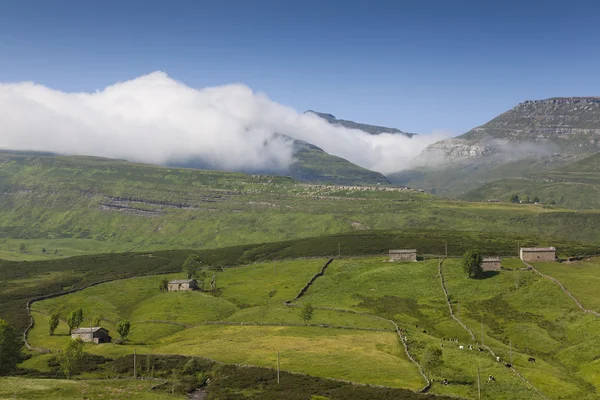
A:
<point x="163" y="286"/>
<point x="536" y="199"/>
<point x="75" y="319"/>
<point x="10" y="348"/>
<point x="44" y="250"/>
<point x="53" y="323"/>
<point x="123" y="328"/>
<point x="432" y="358"/>
<point x="472" y="263"/>
<point x="191" y="265"/>
<point x="97" y="320"/>
<point x="55" y="251"/>
<point x="306" y="312"/>
<point x="70" y="357"/>
<point x="514" y="198"/>
<point x="22" y="247"/>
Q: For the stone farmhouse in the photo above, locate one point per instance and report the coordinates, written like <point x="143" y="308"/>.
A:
<point x="183" y="284"/>
<point x="537" y="253"/>
<point x="92" y="335"/>
<point x="491" y="264"/>
<point x="403" y="255"/>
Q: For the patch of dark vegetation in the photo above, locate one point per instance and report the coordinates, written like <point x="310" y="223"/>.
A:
<point x="250" y="383"/>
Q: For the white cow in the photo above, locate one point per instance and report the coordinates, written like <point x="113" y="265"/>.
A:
<point x="461" y="347"/>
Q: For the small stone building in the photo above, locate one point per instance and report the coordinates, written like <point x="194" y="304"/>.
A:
<point x="491" y="264"/>
<point x="403" y="255"/>
<point x="183" y="284"/>
<point x="538" y="253"/>
<point x="92" y="335"/>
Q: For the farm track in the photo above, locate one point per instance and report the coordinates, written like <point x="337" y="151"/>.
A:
<point x="564" y="289"/>
<point x="466" y="328"/>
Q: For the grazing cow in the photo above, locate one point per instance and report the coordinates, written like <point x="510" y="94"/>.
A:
<point x="498" y="359"/>
<point x="442" y="345"/>
<point x="531" y="360"/>
<point x="480" y="349"/>
<point x="470" y="347"/>
<point x="461" y="347"/>
<point x="491" y="378"/>
<point x="445" y="382"/>
<point x="424" y="331"/>
<point x="508" y="365"/>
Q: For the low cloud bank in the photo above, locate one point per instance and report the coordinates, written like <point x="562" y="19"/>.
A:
<point x="156" y="119"/>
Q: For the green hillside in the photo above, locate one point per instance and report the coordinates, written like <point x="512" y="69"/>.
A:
<point x="313" y="165"/>
<point x="77" y="205"/>
<point x="575" y="185"/>
<point x="520" y="315"/>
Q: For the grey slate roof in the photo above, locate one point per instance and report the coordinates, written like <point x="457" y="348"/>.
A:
<point x="94" y="329"/>
<point x="179" y="281"/>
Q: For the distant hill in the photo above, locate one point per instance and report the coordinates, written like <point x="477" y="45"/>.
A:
<point x="371" y="129"/>
<point x="574" y="186"/>
<point x="310" y="164"/>
<point x="534" y="136"/>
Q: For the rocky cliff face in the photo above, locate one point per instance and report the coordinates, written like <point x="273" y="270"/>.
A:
<point x="562" y="124"/>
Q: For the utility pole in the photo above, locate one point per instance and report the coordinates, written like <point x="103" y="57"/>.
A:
<point x="339" y="250"/>
<point x="446" y="245"/>
<point x="458" y="311"/>
<point x="482" y="343"/>
<point x="510" y="344"/>
<point x="478" y="383"/>
<point x="277" y="367"/>
<point x="273" y="267"/>
<point x="134" y="367"/>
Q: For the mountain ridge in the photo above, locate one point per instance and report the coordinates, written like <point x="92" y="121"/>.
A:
<point x="370" y="129"/>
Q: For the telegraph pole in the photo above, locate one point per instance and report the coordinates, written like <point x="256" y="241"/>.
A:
<point x="134" y="367"/>
<point x="277" y="367"/>
<point x="510" y="344"/>
<point x="478" y="383"/>
<point x="482" y="332"/>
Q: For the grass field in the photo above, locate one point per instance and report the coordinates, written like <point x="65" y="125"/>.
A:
<point x="581" y="278"/>
<point x="47" y="203"/>
<point x="523" y="316"/>
<point x="57" y="389"/>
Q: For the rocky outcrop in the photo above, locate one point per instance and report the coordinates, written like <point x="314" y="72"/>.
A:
<point x="568" y="125"/>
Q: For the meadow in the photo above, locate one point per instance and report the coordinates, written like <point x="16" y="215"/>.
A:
<point x="59" y="389"/>
<point x="516" y="313"/>
<point x="71" y="206"/>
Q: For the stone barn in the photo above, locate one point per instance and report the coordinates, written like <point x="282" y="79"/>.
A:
<point x="403" y="255"/>
<point x="92" y="335"/>
<point x="538" y="253"/>
<point x="183" y="284"/>
<point x="491" y="264"/>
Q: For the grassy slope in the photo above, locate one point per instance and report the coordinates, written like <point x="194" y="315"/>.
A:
<point x="58" y="389"/>
<point x="575" y="186"/>
<point x="517" y="306"/>
<point x="87" y="205"/>
<point x="316" y="166"/>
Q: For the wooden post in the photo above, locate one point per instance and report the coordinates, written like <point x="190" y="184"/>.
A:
<point x="277" y="367"/>
<point x="446" y="245"/>
<point x="482" y="339"/>
<point x="134" y="367"/>
<point x="273" y="267"/>
<point x="478" y="383"/>
<point x="339" y="250"/>
<point x="510" y="344"/>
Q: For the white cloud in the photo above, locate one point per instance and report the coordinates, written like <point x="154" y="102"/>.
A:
<point x="155" y="119"/>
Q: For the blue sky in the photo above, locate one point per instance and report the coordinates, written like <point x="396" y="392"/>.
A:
<point x="416" y="65"/>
